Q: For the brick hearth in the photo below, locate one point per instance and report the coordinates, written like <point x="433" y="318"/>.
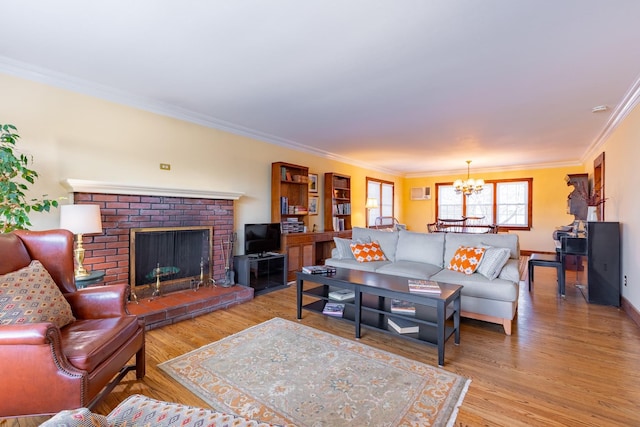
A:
<point x="187" y="304"/>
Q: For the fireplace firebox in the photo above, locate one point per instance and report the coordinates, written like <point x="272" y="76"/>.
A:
<point x="169" y="259"/>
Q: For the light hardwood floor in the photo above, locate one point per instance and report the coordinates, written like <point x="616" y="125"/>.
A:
<point x="567" y="363"/>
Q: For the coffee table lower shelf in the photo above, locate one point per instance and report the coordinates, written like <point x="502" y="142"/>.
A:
<point x="437" y="317"/>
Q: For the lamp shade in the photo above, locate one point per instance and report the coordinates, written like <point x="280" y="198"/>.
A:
<point x="81" y="219"/>
<point x="371" y="203"/>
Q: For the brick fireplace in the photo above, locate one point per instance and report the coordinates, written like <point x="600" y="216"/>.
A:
<point x="125" y="207"/>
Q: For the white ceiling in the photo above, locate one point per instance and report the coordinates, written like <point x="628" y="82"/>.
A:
<point x="405" y="86"/>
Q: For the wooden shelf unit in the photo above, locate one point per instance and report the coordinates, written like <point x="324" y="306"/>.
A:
<point x="337" y="201"/>
<point x="291" y="183"/>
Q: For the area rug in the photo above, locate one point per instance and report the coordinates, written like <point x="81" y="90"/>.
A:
<point x="286" y="373"/>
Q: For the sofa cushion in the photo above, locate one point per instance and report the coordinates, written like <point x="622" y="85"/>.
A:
<point x="29" y="295"/>
<point x="88" y="343"/>
<point x="411" y="269"/>
<point x="367" y="252"/>
<point x="420" y="247"/>
<point x="355" y="265"/>
<point x="466" y="259"/>
<point x="493" y="261"/>
<point x="387" y="240"/>
<point x="476" y="285"/>
<point x="452" y="241"/>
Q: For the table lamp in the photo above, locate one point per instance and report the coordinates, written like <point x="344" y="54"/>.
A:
<point x="80" y="219"/>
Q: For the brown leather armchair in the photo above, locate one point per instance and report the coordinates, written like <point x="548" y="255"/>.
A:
<point x="45" y="369"/>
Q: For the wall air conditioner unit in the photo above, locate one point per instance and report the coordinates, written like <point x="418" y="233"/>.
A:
<point x="421" y="193"/>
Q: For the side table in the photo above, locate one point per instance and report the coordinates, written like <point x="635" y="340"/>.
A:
<point x="93" y="278"/>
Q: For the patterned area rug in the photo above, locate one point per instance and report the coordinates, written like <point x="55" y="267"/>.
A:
<point x="286" y="373"/>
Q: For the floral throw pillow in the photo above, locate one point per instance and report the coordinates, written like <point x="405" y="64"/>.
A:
<point x="367" y="252"/>
<point x="466" y="259"/>
<point x="30" y="295"/>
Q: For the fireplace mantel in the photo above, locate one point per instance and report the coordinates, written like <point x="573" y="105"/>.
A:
<point x="84" y="186"/>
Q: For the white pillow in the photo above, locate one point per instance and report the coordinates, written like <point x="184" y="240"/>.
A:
<point x="344" y="247"/>
<point x="493" y="261"/>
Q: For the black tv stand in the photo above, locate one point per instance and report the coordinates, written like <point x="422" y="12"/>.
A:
<point x="263" y="273"/>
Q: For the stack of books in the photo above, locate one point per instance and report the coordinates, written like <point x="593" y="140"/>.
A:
<point x="333" y="309"/>
<point x="325" y="270"/>
<point x="424" y="286"/>
<point x="292" y="225"/>
<point x="403" y="307"/>
<point x="342" y="295"/>
<point x="402" y="326"/>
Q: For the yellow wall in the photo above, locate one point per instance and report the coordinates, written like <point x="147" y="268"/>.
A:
<point x="549" y="197"/>
<point x="76" y="136"/>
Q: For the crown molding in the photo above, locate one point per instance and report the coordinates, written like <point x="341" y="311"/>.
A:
<point x="84" y="186"/>
<point x="64" y="81"/>
<point x="629" y="102"/>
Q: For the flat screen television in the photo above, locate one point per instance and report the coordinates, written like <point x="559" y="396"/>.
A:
<point x="261" y="238"/>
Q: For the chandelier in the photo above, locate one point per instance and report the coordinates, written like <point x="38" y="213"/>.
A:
<point x="468" y="186"/>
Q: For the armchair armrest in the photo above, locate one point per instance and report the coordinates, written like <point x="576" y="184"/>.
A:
<point x="28" y="334"/>
<point x="99" y="301"/>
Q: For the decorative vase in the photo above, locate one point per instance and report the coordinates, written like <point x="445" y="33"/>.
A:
<point x="592" y="213"/>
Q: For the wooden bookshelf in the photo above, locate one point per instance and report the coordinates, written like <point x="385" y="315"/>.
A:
<point x="337" y="202"/>
<point x="289" y="194"/>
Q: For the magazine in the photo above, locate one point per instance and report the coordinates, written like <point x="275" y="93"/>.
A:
<point x="333" y="309"/>
<point x="403" y="307"/>
<point x="319" y="269"/>
<point x="424" y="286"/>
<point x="342" y="295"/>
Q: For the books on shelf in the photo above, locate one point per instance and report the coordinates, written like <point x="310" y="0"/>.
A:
<point x="334" y="309"/>
<point x="319" y="269"/>
<point x="292" y="225"/>
<point x="338" y="224"/>
<point x="284" y="205"/>
<point x="399" y="306"/>
<point x="424" y="286"/>
<point x="402" y="326"/>
<point x="342" y="295"/>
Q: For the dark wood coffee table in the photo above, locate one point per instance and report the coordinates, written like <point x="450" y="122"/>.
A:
<point x="437" y="315"/>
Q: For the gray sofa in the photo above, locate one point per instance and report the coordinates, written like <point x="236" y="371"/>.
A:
<point x="490" y="296"/>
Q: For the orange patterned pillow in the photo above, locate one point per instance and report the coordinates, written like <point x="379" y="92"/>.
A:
<point x="466" y="259"/>
<point x="367" y="252"/>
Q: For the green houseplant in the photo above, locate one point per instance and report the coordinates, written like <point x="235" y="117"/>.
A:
<point x="15" y="178"/>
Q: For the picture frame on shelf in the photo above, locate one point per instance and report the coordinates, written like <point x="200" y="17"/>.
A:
<point x="313" y="205"/>
<point x="313" y="183"/>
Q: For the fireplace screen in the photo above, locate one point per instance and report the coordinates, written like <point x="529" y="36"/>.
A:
<point x="177" y="256"/>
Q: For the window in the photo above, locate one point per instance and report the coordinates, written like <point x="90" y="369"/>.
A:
<point x="506" y="203"/>
<point x="383" y="192"/>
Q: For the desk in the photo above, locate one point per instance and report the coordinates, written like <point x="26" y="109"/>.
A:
<point x="93" y="278"/>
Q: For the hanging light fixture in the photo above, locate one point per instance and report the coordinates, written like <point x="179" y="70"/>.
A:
<point x="468" y="186"/>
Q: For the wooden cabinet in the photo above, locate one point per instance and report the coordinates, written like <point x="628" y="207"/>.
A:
<point x="289" y="196"/>
<point x="337" y="202"/>
<point x="300" y="250"/>
<point x="308" y="249"/>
